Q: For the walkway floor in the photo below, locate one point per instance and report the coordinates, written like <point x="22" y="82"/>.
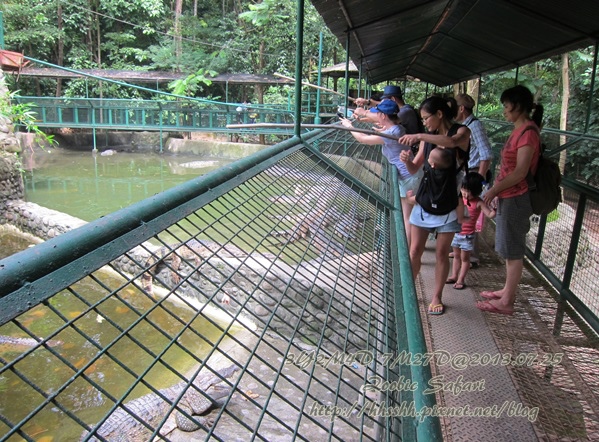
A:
<point x="539" y="367"/>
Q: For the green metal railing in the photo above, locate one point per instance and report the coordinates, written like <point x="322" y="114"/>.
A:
<point x="561" y="245"/>
<point x="303" y="242"/>
<point x="155" y="115"/>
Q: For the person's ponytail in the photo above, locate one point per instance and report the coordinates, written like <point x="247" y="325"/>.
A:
<point x="537" y="114"/>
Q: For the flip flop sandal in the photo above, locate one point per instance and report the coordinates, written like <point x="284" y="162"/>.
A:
<point x="432" y="309"/>
<point x="458" y="286"/>
<point x="486" y="306"/>
<point x="489" y="295"/>
<point x="450" y="281"/>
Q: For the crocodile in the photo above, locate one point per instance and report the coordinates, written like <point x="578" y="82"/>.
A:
<point x="194" y="249"/>
<point x="17" y="344"/>
<point x="125" y="423"/>
<point x="315" y="222"/>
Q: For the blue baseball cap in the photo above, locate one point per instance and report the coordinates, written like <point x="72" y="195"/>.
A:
<point x="392" y="91"/>
<point x="388" y="107"/>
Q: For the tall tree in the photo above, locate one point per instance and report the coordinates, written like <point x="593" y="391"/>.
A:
<point x="563" y="121"/>
<point x="177" y="36"/>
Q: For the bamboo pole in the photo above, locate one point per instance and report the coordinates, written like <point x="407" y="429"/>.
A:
<point x="314" y="86"/>
<point x="310" y="126"/>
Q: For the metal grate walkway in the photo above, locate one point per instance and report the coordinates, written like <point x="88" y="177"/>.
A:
<point x="538" y="367"/>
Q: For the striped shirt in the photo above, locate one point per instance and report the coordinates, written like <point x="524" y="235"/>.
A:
<point x="480" y="147"/>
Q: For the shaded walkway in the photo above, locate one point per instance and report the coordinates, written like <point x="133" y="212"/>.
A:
<point x="543" y="356"/>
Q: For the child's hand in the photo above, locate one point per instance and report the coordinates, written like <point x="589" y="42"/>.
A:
<point x="405" y="156"/>
<point x="410" y="197"/>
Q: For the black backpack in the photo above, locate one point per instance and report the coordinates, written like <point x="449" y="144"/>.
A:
<point x="437" y="193"/>
<point x="544" y="186"/>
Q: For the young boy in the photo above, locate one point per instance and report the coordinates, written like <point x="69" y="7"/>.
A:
<point x="440" y="158"/>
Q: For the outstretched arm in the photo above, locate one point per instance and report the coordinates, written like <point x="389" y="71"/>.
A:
<point x="460" y="139"/>
<point x="361" y="137"/>
<point x="489" y="213"/>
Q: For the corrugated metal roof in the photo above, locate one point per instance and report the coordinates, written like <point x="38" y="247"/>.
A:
<point x="444" y="42"/>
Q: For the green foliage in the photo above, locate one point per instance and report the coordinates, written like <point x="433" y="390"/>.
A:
<point x="21" y="115"/>
<point x="553" y="216"/>
<point x="192" y="84"/>
<point x="264" y="13"/>
<point x="278" y="95"/>
<point x="28" y="26"/>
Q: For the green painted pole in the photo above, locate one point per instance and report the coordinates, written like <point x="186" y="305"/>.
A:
<point x="346" y="72"/>
<point x="426" y="428"/>
<point x="317" y="118"/>
<point x="298" y="67"/>
<point x="1" y="31"/>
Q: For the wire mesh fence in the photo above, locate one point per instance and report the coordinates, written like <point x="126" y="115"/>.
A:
<point x="262" y="309"/>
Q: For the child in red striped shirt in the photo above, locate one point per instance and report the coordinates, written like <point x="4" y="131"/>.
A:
<point x="463" y="242"/>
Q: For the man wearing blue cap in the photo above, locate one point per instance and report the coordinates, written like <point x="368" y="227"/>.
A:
<point x="407" y="114"/>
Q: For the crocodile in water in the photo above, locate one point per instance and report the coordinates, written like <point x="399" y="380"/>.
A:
<point x="125" y="423"/>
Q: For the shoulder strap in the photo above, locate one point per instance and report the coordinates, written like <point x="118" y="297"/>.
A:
<point x="536" y="129"/>
<point x="527" y="128"/>
<point x="472" y="121"/>
<point x="454" y="129"/>
<point x="529" y="175"/>
<point x="460" y="154"/>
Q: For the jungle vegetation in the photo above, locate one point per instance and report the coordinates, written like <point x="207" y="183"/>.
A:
<point x="202" y="38"/>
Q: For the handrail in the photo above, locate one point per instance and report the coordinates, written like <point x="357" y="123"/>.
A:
<point x="33" y="276"/>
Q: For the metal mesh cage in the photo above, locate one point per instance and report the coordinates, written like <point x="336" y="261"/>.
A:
<point x="259" y="309"/>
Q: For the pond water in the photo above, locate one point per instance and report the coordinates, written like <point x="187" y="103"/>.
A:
<point x="88" y="186"/>
<point x="103" y="325"/>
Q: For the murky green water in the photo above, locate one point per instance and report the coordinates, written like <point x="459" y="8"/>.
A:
<point x="89" y="186"/>
<point x="104" y="324"/>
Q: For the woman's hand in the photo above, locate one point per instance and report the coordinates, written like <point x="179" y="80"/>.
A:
<point x="361" y="101"/>
<point x="409" y="139"/>
<point x="490" y="198"/>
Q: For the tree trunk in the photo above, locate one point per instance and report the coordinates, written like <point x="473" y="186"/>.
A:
<point x="60" y="57"/>
<point x="472" y="89"/>
<point x="178" y="42"/>
<point x="563" y="120"/>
